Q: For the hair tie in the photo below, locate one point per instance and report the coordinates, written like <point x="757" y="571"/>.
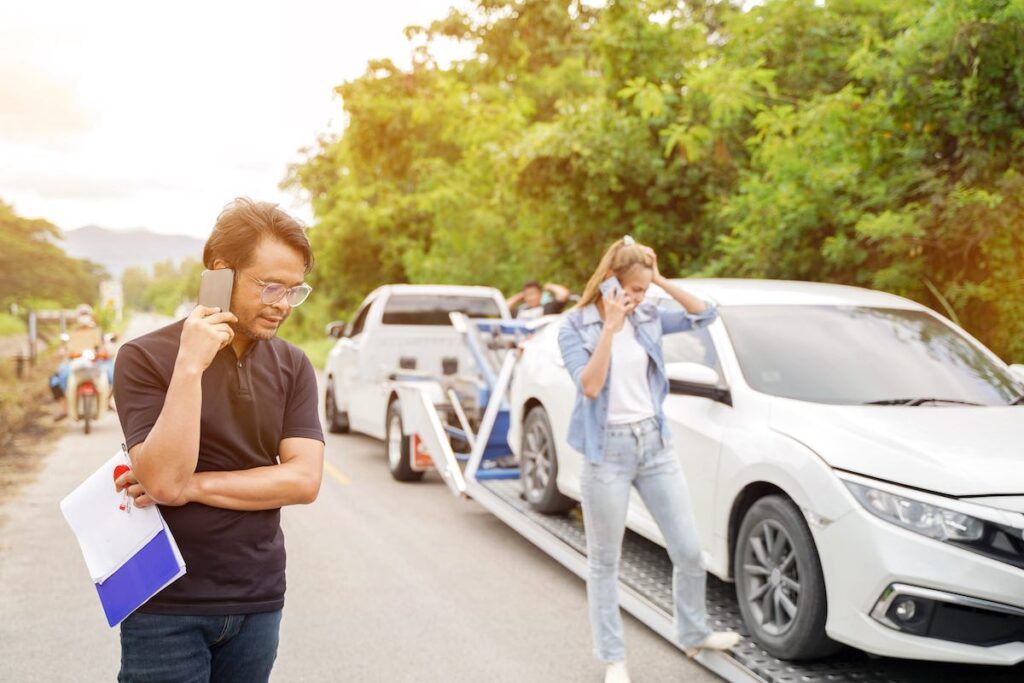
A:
<point x="628" y="241"/>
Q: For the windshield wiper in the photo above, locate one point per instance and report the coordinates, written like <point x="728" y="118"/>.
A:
<point x="914" y="402"/>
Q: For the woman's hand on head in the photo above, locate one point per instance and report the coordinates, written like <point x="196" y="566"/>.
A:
<point x="654" y="257"/>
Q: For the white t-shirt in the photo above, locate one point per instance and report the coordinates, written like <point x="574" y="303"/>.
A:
<point x="629" y="396"/>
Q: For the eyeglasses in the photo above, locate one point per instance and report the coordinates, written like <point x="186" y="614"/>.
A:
<point x="273" y="292"/>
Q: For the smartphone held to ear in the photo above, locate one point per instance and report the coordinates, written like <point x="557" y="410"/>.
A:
<point x="610" y="287"/>
<point x="215" y="288"/>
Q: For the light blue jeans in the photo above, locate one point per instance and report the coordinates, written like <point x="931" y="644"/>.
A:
<point x="634" y="456"/>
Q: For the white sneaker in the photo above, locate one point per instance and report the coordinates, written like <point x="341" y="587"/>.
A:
<point x="719" y="640"/>
<point x="616" y="673"/>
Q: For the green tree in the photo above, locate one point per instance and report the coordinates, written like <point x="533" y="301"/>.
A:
<point x="870" y="142"/>
<point x="163" y="287"/>
<point x="33" y="267"/>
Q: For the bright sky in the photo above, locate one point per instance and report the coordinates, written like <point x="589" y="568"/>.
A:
<point x="154" y="115"/>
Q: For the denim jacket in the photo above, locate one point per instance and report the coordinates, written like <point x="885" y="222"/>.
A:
<point x="577" y="339"/>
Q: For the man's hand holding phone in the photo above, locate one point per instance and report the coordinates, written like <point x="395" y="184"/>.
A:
<point x="206" y="331"/>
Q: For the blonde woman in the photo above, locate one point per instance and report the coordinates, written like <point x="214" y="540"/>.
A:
<point x="611" y="344"/>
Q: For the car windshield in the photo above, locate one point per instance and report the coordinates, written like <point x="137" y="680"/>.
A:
<point x="860" y="355"/>
<point x="433" y="309"/>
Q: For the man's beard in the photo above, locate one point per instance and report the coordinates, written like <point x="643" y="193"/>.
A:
<point x="250" y="331"/>
<point x="258" y="336"/>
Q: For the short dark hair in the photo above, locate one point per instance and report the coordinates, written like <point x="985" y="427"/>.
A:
<point x="532" y="283"/>
<point x="243" y="224"/>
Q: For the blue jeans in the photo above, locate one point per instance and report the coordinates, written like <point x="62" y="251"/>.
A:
<point x="108" y="365"/>
<point x="237" y="648"/>
<point x="60" y="378"/>
<point x="634" y="456"/>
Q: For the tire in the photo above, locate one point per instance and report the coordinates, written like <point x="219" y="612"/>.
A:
<point x="86" y="412"/>
<point x="538" y="463"/>
<point x="337" y="420"/>
<point x="397" y="446"/>
<point x="779" y="584"/>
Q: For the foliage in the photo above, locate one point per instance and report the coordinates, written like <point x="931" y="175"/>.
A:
<point x="34" y="269"/>
<point x="315" y="348"/>
<point x="163" y="287"/>
<point x="11" y="325"/>
<point x="863" y="142"/>
<point x="24" y="407"/>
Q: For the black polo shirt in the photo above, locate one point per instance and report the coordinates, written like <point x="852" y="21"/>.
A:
<point x="234" y="560"/>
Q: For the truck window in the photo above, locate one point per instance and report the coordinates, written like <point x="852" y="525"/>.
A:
<point x="360" y="320"/>
<point x="433" y="309"/>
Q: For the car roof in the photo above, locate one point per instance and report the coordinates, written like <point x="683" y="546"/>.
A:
<point x="753" y="292"/>
<point x="440" y="290"/>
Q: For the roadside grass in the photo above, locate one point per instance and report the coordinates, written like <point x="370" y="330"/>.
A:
<point x="26" y="422"/>
<point x="11" y="325"/>
<point x="316" y="349"/>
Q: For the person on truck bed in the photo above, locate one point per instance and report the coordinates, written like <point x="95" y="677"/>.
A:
<point x="529" y="303"/>
<point x="618" y="424"/>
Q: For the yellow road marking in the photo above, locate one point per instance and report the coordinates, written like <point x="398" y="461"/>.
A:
<point x="336" y="474"/>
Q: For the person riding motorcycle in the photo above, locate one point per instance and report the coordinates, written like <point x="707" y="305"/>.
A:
<point x="83" y="346"/>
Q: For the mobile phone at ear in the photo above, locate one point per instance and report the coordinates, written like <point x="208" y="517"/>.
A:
<point x="215" y="288"/>
<point x="610" y="287"/>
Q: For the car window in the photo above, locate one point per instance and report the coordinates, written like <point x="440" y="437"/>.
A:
<point x="692" y="346"/>
<point x="433" y="309"/>
<point x="360" y="320"/>
<point x="857" y="354"/>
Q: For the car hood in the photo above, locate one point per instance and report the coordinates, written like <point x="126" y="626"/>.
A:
<point x="957" y="451"/>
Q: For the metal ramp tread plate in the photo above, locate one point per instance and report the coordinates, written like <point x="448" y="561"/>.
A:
<point x="647" y="570"/>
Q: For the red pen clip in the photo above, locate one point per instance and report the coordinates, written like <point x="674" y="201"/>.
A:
<point x="118" y="471"/>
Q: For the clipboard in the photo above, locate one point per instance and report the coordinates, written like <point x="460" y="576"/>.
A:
<point x="129" y="552"/>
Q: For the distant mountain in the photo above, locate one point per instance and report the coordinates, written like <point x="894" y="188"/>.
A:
<point x="119" y="249"/>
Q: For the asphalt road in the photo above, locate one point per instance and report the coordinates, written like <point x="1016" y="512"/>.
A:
<point x="386" y="582"/>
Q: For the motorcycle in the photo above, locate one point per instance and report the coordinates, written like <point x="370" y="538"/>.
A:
<point x="88" y="388"/>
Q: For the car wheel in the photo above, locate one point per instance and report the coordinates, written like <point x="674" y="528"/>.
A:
<point x="397" y="443"/>
<point x="779" y="584"/>
<point x="538" y="465"/>
<point x="337" y="420"/>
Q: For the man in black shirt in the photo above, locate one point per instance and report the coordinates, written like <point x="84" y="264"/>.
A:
<point x="527" y="304"/>
<point x="220" y="419"/>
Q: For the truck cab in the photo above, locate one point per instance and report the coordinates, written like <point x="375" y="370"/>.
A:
<point x="399" y="330"/>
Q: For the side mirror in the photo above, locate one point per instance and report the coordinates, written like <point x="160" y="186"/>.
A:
<point x="694" y="379"/>
<point x="692" y="373"/>
<point x="1018" y="371"/>
<point x="335" y="329"/>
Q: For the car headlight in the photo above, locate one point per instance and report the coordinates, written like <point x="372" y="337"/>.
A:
<point x="929" y="520"/>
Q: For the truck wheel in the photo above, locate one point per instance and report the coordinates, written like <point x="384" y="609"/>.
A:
<point x="539" y="465"/>
<point x="337" y="420"/>
<point x="779" y="584"/>
<point x="397" y="444"/>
